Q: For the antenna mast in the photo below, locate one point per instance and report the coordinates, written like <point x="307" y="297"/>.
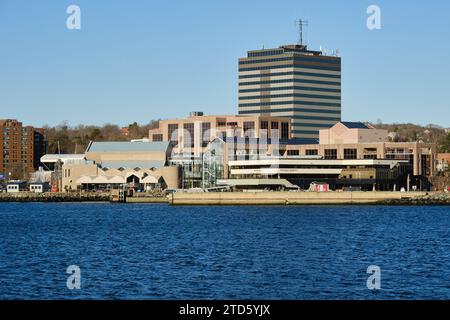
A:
<point x="301" y="23"/>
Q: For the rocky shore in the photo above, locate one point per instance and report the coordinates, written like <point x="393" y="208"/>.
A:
<point x="442" y="198"/>
<point x="53" y="197"/>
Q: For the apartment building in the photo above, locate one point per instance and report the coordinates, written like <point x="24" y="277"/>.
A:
<point x="21" y="148"/>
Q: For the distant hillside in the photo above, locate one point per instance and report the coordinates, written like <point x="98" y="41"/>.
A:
<point x="413" y="132"/>
<point x="75" y="139"/>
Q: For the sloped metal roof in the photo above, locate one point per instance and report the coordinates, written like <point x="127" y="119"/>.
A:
<point x="127" y="146"/>
<point x="133" y="164"/>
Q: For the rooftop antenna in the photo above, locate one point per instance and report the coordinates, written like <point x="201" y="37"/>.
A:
<point x="301" y="23"/>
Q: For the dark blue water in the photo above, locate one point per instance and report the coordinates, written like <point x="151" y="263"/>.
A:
<point x="164" y="252"/>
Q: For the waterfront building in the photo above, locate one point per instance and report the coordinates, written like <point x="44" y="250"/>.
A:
<point x="443" y="161"/>
<point x="299" y="172"/>
<point x="359" y="155"/>
<point x="20" y="149"/>
<point x="292" y="81"/>
<point x="190" y="137"/>
<point x="107" y="165"/>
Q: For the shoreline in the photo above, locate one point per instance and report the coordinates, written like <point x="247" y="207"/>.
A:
<point x="249" y="198"/>
<point x="311" y="198"/>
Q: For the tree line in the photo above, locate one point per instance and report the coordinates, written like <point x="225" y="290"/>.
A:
<point x="64" y="138"/>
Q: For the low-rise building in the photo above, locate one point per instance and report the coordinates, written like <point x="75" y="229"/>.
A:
<point x="39" y="187"/>
<point x="443" y="161"/>
<point x="191" y="135"/>
<point x="357" y="156"/>
<point x="109" y="165"/>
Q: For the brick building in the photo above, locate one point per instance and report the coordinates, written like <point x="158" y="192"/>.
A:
<point x="20" y="149"/>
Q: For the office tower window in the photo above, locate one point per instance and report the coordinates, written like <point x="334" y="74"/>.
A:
<point x="285" y="130"/>
<point x="249" y="129"/>
<point x="311" y="152"/>
<point x="330" y="154"/>
<point x="206" y="133"/>
<point x="157" y="137"/>
<point x="188" y="135"/>
<point x="350" y="153"/>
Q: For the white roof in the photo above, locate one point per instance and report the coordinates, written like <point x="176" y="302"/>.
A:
<point x="84" y="179"/>
<point x="101" y="179"/>
<point x="117" y="179"/>
<point x="52" y="158"/>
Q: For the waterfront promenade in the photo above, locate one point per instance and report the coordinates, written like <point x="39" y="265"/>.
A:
<point x="308" y="198"/>
<point x="246" y="198"/>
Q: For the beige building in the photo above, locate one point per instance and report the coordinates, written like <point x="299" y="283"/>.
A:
<point x="349" y="141"/>
<point x="111" y="164"/>
<point x="356" y="140"/>
<point x="443" y="161"/>
<point x="352" y="133"/>
<point x="192" y="134"/>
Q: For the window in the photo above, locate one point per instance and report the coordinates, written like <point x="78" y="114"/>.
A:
<point x="293" y="153"/>
<point x="311" y="152"/>
<point x="275" y="133"/>
<point x="249" y="128"/>
<point x="157" y="137"/>
<point x="264" y="129"/>
<point x="188" y="135"/>
<point x="330" y="154"/>
<point x="285" y="130"/>
<point x="206" y="133"/>
<point x="173" y="132"/>
<point x="350" y="153"/>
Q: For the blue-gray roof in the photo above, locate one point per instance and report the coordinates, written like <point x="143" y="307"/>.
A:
<point x="127" y="146"/>
<point x="133" y="164"/>
<point x="355" y="125"/>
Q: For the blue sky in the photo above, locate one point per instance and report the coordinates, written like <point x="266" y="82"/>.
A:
<point x="141" y="60"/>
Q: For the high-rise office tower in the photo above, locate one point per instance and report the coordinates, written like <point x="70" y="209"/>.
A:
<point x="292" y="81"/>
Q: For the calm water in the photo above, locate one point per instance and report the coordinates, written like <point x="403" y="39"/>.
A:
<point x="163" y="252"/>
